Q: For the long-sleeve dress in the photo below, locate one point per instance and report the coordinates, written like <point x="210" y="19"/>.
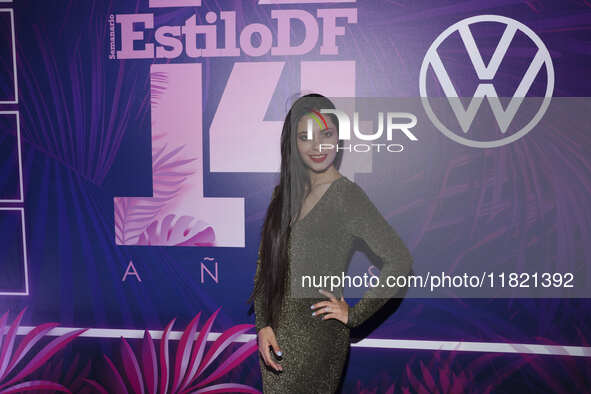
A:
<point x="315" y="350"/>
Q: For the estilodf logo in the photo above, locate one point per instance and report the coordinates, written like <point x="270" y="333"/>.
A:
<point x="486" y="89"/>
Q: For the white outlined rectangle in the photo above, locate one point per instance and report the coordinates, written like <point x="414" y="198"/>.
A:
<point x="19" y="154"/>
<point x="15" y="101"/>
<point x="25" y="260"/>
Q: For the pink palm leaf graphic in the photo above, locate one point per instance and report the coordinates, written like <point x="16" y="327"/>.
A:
<point x="8" y="359"/>
<point x="153" y="373"/>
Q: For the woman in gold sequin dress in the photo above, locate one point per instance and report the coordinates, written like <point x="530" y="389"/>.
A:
<point x="314" y="216"/>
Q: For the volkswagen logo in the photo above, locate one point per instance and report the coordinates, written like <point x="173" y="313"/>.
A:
<point x="485" y="89"/>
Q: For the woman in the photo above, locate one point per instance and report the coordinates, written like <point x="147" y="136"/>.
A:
<point x="314" y="215"/>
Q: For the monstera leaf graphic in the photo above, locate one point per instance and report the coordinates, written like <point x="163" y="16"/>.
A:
<point x="185" y="231"/>
<point x="151" y="373"/>
<point x="9" y="359"/>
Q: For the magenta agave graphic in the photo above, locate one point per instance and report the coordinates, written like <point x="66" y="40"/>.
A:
<point x="9" y="360"/>
<point x="150" y="373"/>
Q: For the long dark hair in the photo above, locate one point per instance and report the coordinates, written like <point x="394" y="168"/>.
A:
<point x="285" y="207"/>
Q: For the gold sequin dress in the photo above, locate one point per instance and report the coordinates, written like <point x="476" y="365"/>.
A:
<point x="315" y="350"/>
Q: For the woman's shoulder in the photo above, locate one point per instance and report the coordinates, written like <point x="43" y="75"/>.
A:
<point x="349" y="187"/>
<point x="351" y="193"/>
<point x="355" y="200"/>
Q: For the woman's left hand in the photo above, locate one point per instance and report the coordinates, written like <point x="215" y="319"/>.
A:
<point x="334" y="309"/>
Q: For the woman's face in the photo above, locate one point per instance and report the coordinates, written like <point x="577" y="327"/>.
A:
<point x="319" y="152"/>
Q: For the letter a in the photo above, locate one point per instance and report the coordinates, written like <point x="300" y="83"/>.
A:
<point x="131" y="266"/>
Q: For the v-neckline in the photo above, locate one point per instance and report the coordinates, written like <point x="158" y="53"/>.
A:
<point x="319" y="201"/>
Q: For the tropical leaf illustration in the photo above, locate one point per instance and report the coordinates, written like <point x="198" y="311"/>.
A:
<point x="72" y="378"/>
<point x="169" y="171"/>
<point x="185" y="231"/>
<point x="151" y="373"/>
<point x="9" y="359"/>
<point x="439" y="375"/>
<point x="572" y="374"/>
<point x="133" y="215"/>
<point x="158" y="85"/>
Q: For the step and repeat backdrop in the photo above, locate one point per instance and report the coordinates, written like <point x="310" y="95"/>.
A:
<point x="139" y="148"/>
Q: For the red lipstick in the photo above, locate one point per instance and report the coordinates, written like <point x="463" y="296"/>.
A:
<point x="318" y="158"/>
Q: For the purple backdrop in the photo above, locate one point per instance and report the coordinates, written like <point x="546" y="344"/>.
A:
<point x="139" y="149"/>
